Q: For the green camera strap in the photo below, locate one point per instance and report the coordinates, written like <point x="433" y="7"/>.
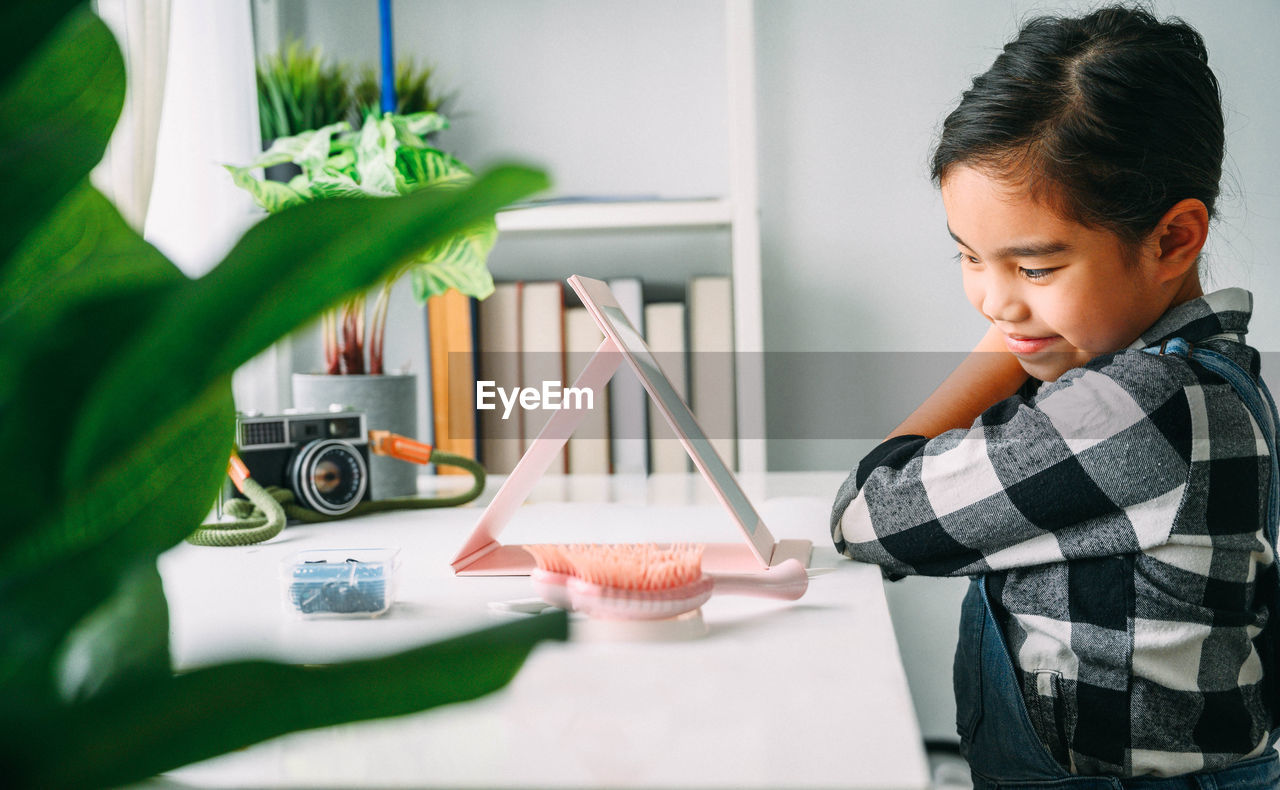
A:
<point x="262" y="516"/>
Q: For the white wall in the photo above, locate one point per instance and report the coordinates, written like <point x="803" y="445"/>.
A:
<point x="854" y="235"/>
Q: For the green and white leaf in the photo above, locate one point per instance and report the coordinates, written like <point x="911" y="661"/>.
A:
<point x="389" y="155"/>
<point x="315" y="153"/>
<point x="344" y="161"/>
<point x="308" y="150"/>
<point x="459" y="261"/>
<point x="271" y="195"/>
<point x="422" y="166"/>
<point x="376" y="158"/>
<point x="331" y="183"/>
<point x="413" y="129"/>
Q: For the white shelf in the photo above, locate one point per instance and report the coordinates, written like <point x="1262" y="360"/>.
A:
<point x="606" y="215"/>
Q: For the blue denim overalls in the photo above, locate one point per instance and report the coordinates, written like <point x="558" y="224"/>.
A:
<point x="996" y="734"/>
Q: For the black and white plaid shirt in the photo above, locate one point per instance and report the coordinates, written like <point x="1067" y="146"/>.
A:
<point x="1119" y="514"/>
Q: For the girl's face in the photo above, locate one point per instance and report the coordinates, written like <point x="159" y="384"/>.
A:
<point x="1060" y="293"/>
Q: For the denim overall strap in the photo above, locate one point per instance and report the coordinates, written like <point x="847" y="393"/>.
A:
<point x="1256" y="397"/>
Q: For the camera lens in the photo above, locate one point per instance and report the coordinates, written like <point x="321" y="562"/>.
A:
<point x="329" y="476"/>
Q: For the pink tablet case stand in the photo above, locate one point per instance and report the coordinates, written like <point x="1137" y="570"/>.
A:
<point x="484" y="555"/>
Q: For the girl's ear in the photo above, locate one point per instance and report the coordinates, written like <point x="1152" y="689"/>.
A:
<point x="1178" y="238"/>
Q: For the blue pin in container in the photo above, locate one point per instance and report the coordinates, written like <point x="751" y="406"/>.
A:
<point x="322" y="583"/>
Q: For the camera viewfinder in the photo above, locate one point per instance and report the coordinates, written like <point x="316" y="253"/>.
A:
<point x="344" y="428"/>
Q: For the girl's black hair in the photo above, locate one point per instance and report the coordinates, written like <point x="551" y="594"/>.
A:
<point x="1109" y="118"/>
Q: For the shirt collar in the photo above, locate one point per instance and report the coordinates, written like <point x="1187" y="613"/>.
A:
<point x="1221" y="312"/>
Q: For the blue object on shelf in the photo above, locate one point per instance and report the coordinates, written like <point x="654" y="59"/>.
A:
<point x="388" y="58"/>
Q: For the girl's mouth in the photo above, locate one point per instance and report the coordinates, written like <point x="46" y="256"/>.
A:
<point x="1028" y="345"/>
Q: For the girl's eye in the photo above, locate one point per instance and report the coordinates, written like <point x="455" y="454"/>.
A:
<point x="1035" y="274"/>
<point x="965" y="258"/>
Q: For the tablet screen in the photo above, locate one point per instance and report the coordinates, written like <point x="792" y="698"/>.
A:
<point x="598" y="299"/>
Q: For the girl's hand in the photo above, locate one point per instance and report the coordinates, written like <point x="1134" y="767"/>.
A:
<point x="987" y="376"/>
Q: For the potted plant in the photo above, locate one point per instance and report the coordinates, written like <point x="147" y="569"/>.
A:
<point x="299" y="90"/>
<point x="115" y="391"/>
<point x="389" y="155"/>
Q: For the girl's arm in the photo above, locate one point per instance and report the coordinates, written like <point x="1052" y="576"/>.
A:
<point x="1098" y="463"/>
<point x="987" y="376"/>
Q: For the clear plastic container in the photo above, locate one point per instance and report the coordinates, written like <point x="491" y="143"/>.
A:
<point x="340" y="582"/>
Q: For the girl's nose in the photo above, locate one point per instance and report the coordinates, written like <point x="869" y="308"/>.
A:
<point x="1001" y="301"/>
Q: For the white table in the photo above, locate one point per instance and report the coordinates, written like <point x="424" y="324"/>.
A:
<point x="777" y="694"/>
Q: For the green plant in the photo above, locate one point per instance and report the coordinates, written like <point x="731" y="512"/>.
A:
<point x="298" y="90"/>
<point x="414" y="91"/>
<point x="389" y="155"/>
<point x="117" y="420"/>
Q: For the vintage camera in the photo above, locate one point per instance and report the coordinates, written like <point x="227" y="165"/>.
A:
<point x="322" y="457"/>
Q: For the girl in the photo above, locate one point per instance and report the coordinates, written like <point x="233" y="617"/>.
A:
<point x="1103" y="464"/>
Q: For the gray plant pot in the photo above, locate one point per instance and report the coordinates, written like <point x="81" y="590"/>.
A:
<point x="390" y="402"/>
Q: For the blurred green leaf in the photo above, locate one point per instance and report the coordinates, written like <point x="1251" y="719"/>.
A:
<point x="121" y="643"/>
<point x="59" y="109"/>
<point x="82" y="251"/>
<point x="115" y="396"/>
<point x="75" y="293"/>
<point x="24" y="27"/>
<point x="284" y="271"/>
<point x="149" y="492"/>
<point x="38" y="608"/>
<point x="134" y="732"/>
<point x="145" y="502"/>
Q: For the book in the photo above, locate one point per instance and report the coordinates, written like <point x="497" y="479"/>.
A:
<point x="628" y="402"/>
<point x="711" y="363"/>
<point x="450" y="344"/>
<point x="501" y="440"/>
<point x="589" y="445"/>
<point x="665" y="336"/>
<point x="541" y="353"/>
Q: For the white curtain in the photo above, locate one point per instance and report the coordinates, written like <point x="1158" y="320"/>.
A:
<point x="127" y="168"/>
<point x="210" y="118"/>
